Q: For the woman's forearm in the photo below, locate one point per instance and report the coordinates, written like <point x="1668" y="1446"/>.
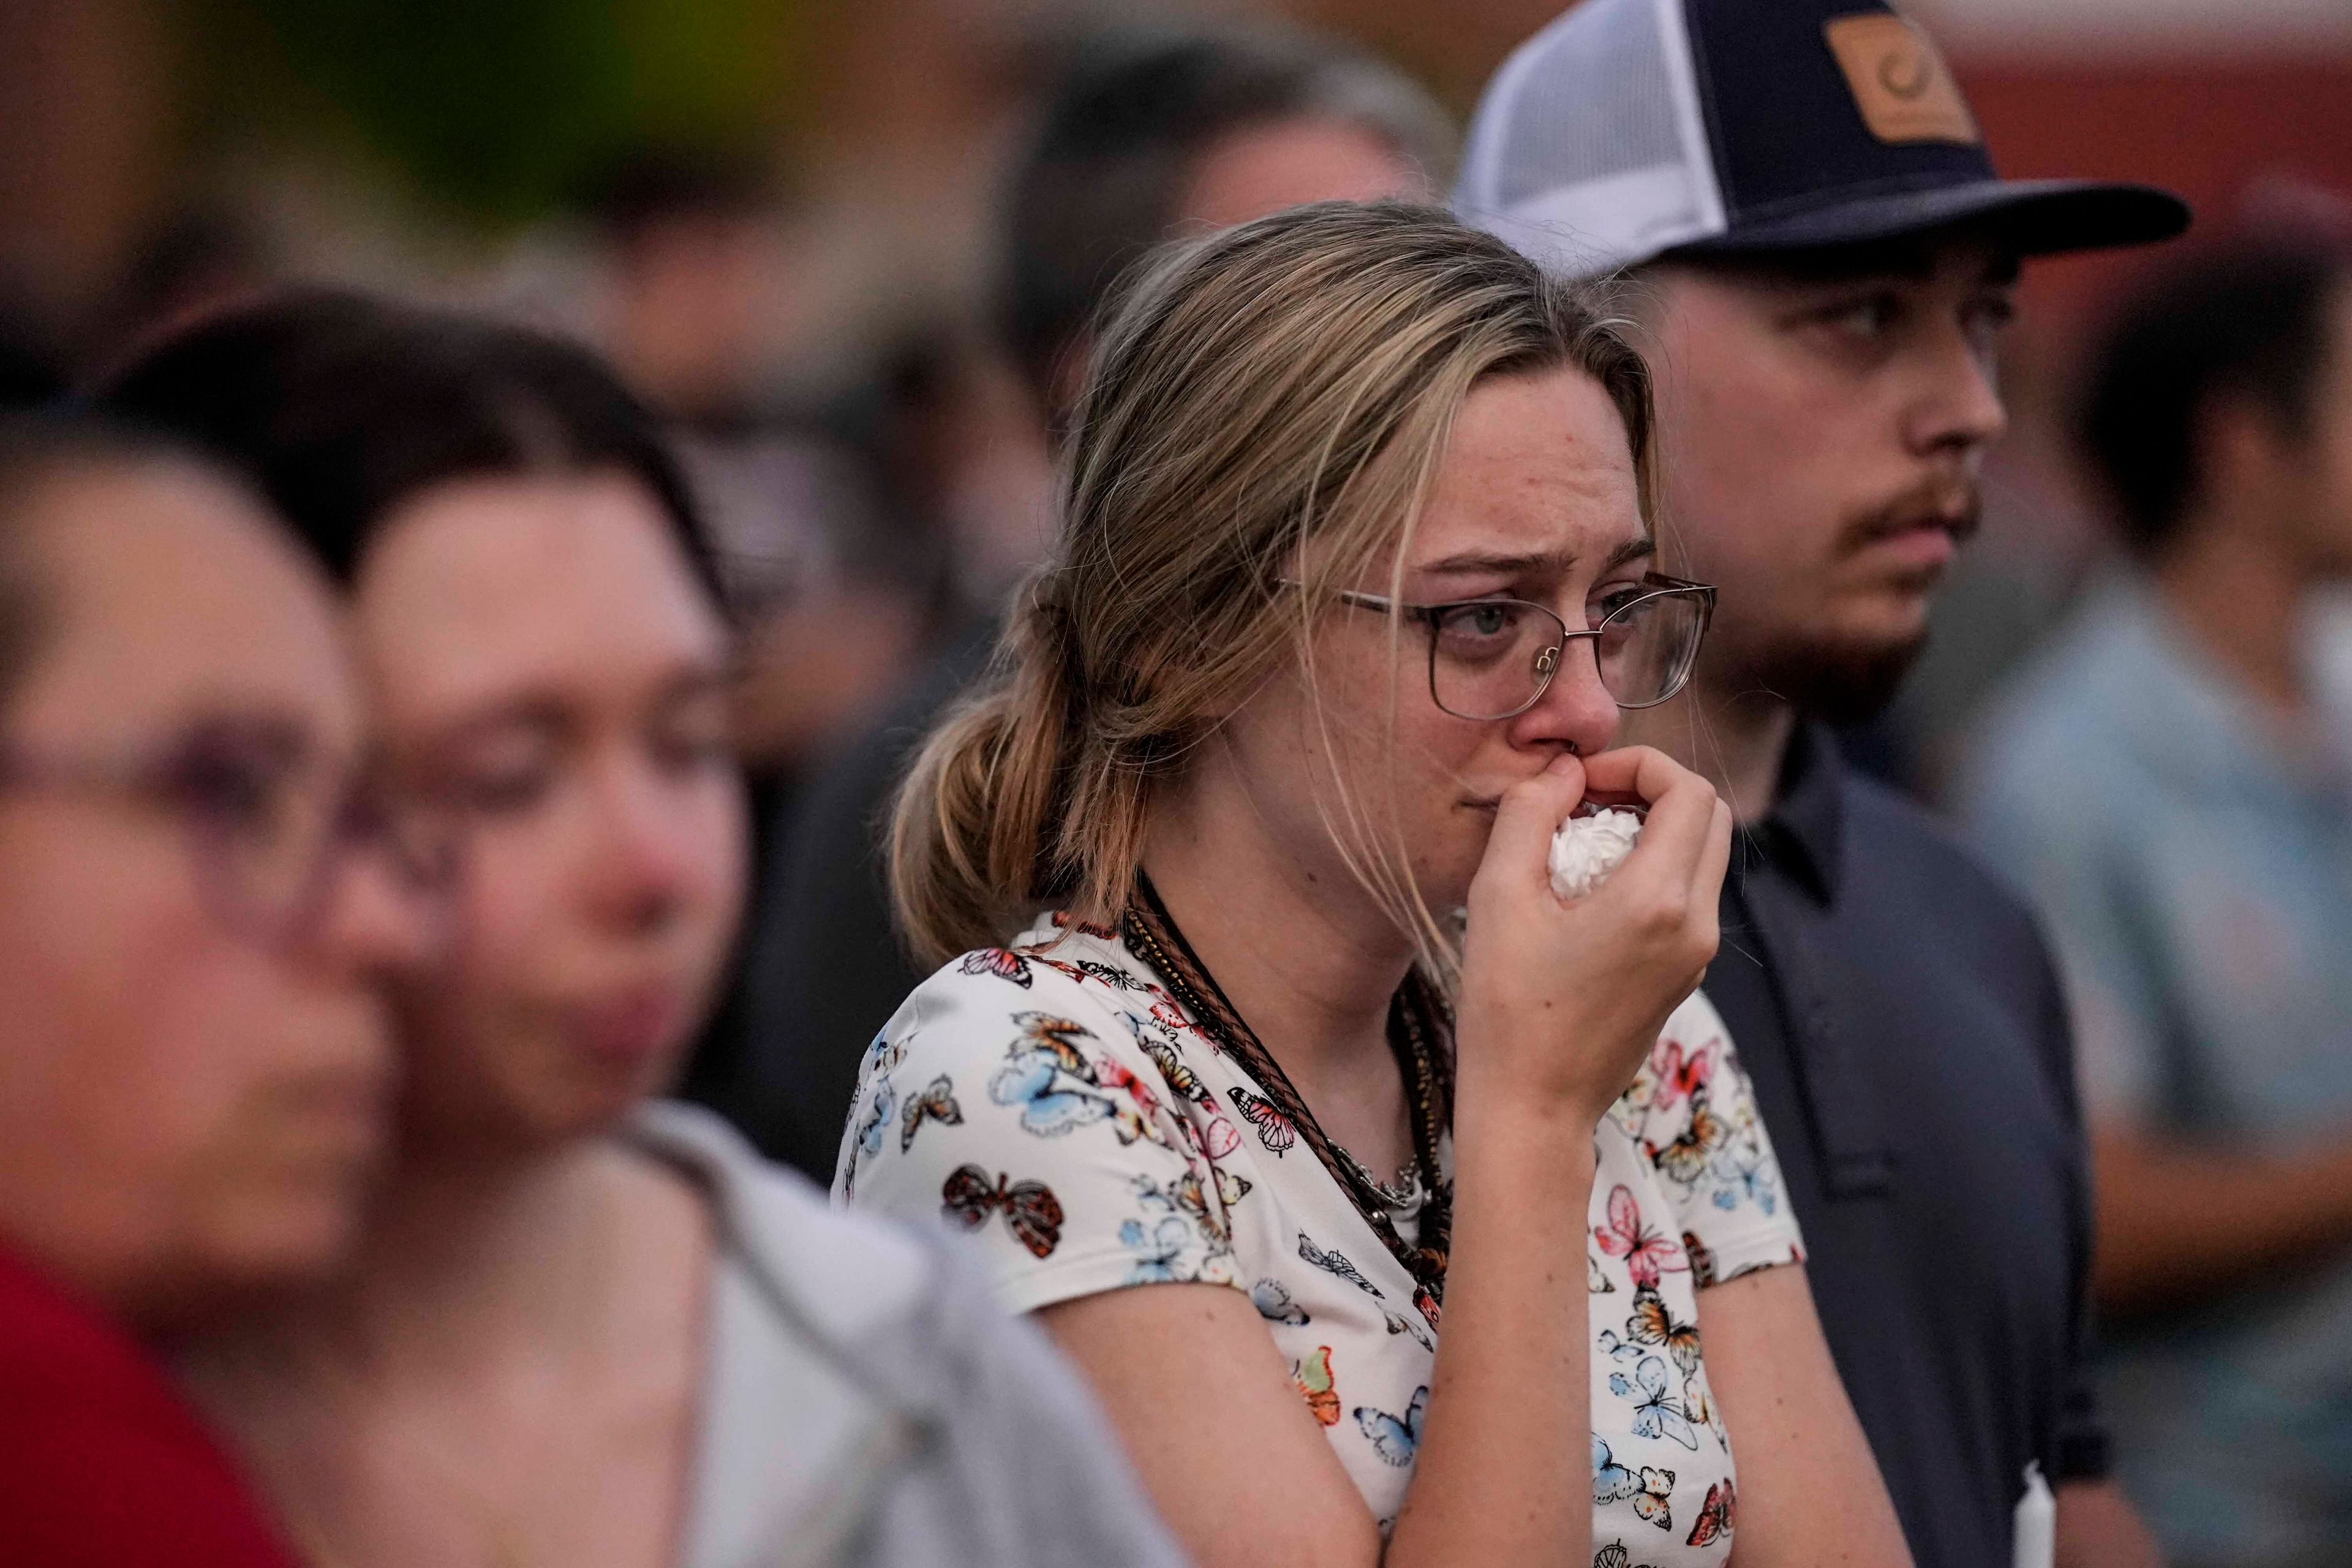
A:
<point x="1503" y="1472"/>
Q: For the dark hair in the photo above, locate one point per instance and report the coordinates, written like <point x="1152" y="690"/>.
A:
<point x="1101" y="182"/>
<point x="2247" y="318"/>
<point x="37" y="449"/>
<point x="340" y="406"/>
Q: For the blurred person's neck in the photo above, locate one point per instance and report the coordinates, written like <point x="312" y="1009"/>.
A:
<point x="505" y="1320"/>
<point x="468" y="1257"/>
<point x="2236" y="588"/>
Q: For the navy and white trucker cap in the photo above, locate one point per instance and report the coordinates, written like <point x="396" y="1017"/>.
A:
<point x="1629" y="128"/>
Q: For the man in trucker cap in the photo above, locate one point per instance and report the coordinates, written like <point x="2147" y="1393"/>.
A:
<point x="1821" y="257"/>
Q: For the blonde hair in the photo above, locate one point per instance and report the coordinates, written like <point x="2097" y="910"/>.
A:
<point x="1291" y="380"/>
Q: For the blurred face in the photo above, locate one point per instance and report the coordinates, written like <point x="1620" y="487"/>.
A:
<point x="190" y="1096"/>
<point x="1535" y="500"/>
<point x="1260" y="169"/>
<point x="1821" y="435"/>
<point x="548" y="668"/>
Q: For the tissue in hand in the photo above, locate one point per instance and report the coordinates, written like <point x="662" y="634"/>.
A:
<point x="1587" y="849"/>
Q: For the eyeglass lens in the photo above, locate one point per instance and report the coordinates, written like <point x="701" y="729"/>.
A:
<point x="1492" y="659"/>
<point x="273" y="823"/>
<point x="1646" y="649"/>
<point x="264" y="818"/>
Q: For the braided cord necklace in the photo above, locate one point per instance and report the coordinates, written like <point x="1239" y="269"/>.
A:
<point x="1419" y="1034"/>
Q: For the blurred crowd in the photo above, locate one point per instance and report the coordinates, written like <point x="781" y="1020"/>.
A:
<point x="2137" y="710"/>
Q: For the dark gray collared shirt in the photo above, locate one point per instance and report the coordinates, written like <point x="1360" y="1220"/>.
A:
<point x="1904" y="1028"/>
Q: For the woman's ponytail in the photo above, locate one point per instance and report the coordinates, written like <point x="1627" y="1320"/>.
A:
<point x="975" y="830"/>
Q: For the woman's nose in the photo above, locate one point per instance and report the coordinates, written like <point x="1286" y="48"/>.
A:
<point x="655" y="856"/>
<point x="1575" y="708"/>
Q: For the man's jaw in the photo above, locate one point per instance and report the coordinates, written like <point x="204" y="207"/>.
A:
<point x="1836" y="679"/>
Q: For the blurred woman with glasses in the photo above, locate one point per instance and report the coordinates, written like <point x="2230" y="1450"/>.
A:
<point x="1298" y="1097"/>
<point x="199" y="905"/>
<point x="584" y="1329"/>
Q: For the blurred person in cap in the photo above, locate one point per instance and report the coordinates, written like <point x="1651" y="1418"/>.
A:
<point x="586" y="1326"/>
<point x="2162" y="781"/>
<point x="1148" y="136"/>
<point x="197" y="914"/>
<point x="1821" y="255"/>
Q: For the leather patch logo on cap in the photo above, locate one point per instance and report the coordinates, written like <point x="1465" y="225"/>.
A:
<point x="1898" y="80"/>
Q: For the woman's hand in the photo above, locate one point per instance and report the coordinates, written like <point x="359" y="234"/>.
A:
<point x="1560" y="1002"/>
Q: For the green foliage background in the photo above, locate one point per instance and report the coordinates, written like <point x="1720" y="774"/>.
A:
<point x="501" y="109"/>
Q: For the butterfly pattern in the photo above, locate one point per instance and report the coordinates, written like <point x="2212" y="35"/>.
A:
<point x="1158" y="1250"/>
<point x="1647" y="1252"/>
<point x="1657" y="1412"/>
<point x="936" y="1103"/>
<point x="1697" y="1124"/>
<point x="1032" y="1213"/>
<point x="999" y="961"/>
<point x="1395" y="1438"/>
<point x="1056" y="1085"/>
<point x="1653" y="1324"/>
<point x="1616" y="1554"/>
<point x="1052" y="1099"/>
<point x="1312" y="1376"/>
<point x="1271" y="1300"/>
<point x="1649" y="1489"/>
<point x="869" y="1132"/>
<point x="1273" y="1128"/>
<point x="1715" y="1515"/>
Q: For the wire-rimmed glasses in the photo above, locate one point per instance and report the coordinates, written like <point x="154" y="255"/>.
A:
<point x="1494" y="658"/>
<point x="267" y="817"/>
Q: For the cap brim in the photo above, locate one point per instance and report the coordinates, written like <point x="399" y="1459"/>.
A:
<point x="2039" y="217"/>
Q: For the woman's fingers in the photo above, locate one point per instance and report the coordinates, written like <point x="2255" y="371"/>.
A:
<point x="1530" y="812"/>
<point x="1674" y="832"/>
<point x="1643" y="771"/>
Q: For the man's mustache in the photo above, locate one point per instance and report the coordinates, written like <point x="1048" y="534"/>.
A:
<point x="1956" y="506"/>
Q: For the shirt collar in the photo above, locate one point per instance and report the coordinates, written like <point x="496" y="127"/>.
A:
<point x="1805" y="832"/>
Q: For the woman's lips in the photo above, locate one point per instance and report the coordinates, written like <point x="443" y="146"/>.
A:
<point x="629" y="1027"/>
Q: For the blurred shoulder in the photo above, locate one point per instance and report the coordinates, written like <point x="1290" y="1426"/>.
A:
<point x="780" y="1217"/>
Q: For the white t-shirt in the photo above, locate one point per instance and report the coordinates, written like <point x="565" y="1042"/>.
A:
<point x="1054" y="1099"/>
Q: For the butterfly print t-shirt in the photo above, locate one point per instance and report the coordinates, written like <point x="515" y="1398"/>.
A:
<point x="1054" y="1100"/>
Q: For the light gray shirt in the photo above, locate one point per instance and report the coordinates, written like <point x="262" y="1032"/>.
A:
<point x="866" y="1403"/>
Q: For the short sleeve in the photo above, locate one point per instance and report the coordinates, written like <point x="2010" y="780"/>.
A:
<point x="1011" y="1100"/>
<point x="1692" y="1113"/>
